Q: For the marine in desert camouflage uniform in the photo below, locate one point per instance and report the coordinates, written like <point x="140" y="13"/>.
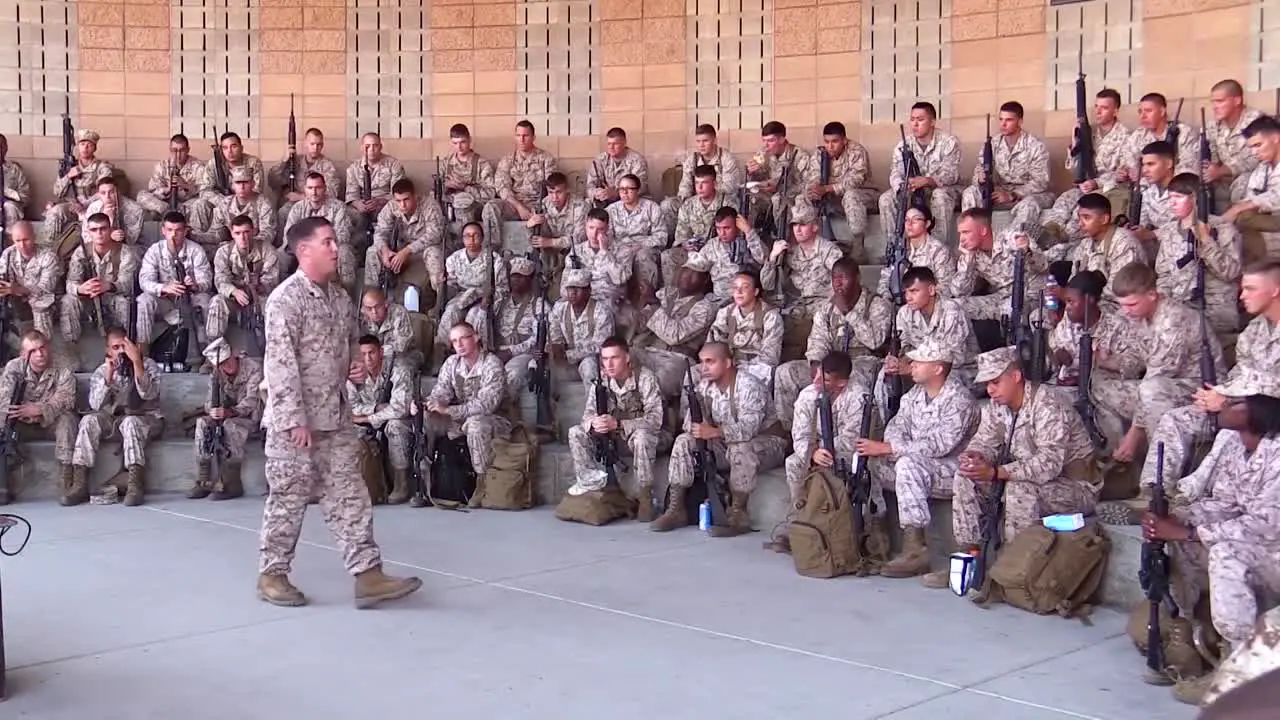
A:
<point x="1216" y="244"/>
<point x="380" y="403"/>
<point x="1103" y="246"/>
<point x="1154" y="124"/>
<point x="115" y="272"/>
<point x="126" y="215"/>
<point x="920" y="453"/>
<point x="45" y="408"/>
<point x="1020" y="166"/>
<point x="1157" y="173"/>
<point x="678" y="325"/>
<point x="477" y="278"/>
<point x="751" y="328"/>
<point x="311" y="444"/>
<point x="695" y="222"/>
<point x="243" y="200"/>
<point x="417" y="228"/>
<point x="846" y="189"/>
<point x="558" y="227"/>
<point x="706" y="152"/>
<point x="517" y="326"/>
<point x="316" y="201"/>
<point x="29" y="278"/>
<point x="579" y="324"/>
<point x="244" y="273"/>
<point x="519" y="179"/>
<point x="639" y="232"/>
<point x="369" y="184"/>
<point x="392" y="325"/>
<point x="234" y="157"/>
<point x="15" y="190"/>
<point x="780" y="169"/>
<point x="76" y="189"/>
<point x="1257" y="214"/>
<point x="1110" y="154"/>
<point x="609" y="168"/>
<point x="990" y="258"/>
<point x="938" y="155"/>
<point x="924" y="249"/>
<point x="635" y="413"/>
<point x="124" y="396"/>
<point x="607" y="269"/>
<point x="468" y="178"/>
<point x="240" y="415"/>
<point x="1230" y="162"/>
<point x="725" y="251"/>
<point x="797" y="275"/>
<point x="186" y="183"/>
<point x="742" y="432"/>
<point x="310" y="160"/>
<point x="162" y="286"/>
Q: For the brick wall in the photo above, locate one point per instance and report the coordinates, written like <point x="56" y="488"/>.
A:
<point x="138" y="70"/>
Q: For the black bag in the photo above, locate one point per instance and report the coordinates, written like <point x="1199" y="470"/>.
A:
<point x="453" y="480"/>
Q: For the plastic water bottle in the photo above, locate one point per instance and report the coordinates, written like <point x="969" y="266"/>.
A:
<point x="704" y="516"/>
<point x="1051" y="303"/>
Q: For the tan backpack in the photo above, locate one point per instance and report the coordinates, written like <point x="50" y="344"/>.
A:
<point x="1043" y="571"/>
<point x="508" y="484"/>
<point x="597" y="507"/>
<point x="821" y="530"/>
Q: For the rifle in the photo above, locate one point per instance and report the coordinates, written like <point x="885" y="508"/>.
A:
<point x="540" y="379"/>
<point x="1173" y="133"/>
<point x="366" y="193"/>
<point x="1205" y="195"/>
<point x="387" y="280"/>
<point x="858" y="481"/>
<point x="4" y="151"/>
<point x="419" y="446"/>
<point x="893" y="380"/>
<point x="910" y="169"/>
<point x="7" y="320"/>
<point x="174" y="201"/>
<point x="605" y="445"/>
<point x="1208" y="372"/>
<point x="251" y="320"/>
<point x="437" y="189"/>
<point x="704" y="461"/>
<point x="293" y="150"/>
<point x="992" y="517"/>
<point x="221" y="173"/>
<point x="69" y="160"/>
<point x="9" y="432"/>
<point x="824" y="179"/>
<point x="840" y="466"/>
<point x="1082" y="149"/>
<point x="1084" y="382"/>
<point x="1153" y="573"/>
<point x="489" y="299"/>
<point x="215" y="437"/>
<point x="600" y="183"/>
<point x="96" y="309"/>
<point x="1015" y="328"/>
<point x="988" y="187"/>
<point x="187" y="322"/>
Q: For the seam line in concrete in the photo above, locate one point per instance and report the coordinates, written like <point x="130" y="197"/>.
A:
<point x="667" y="623"/>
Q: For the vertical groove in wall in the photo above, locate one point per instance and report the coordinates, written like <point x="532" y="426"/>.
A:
<point x="1105" y="37"/>
<point x="906" y="57"/>
<point x="558" y="61"/>
<point x="39" y="57"/>
<point x="215" y="50"/>
<point x="729" y="69"/>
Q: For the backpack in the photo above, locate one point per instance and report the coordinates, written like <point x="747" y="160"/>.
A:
<point x="508" y="484"/>
<point x="821" y="530"/>
<point x="370" y="464"/>
<point x="1043" y="571"/>
<point x="597" y="507"/>
<point x="452" y="480"/>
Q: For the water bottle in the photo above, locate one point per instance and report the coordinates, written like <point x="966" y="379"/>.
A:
<point x="704" y="516"/>
<point x="1051" y="304"/>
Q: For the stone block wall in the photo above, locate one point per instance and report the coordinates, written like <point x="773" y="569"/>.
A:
<point x="139" y="70"/>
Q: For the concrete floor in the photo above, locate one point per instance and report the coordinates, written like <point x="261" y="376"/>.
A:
<point x="115" y="612"/>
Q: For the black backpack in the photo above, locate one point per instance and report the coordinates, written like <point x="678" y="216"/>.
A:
<point x="453" y="480"/>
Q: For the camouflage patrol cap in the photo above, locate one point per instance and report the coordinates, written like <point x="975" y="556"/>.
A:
<point x="932" y="351"/>
<point x="218" y="352"/>
<point x="698" y="262"/>
<point x="992" y="364"/>
<point x="576" y="278"/>
<point x="88" y="136"/>
<point x="802" y="213"/>
<point x="521" y="266"/>
<point x="1250" y="382"/>
<point x="241" y="174"/>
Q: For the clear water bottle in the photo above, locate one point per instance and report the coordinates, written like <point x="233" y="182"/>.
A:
<point x="704" y="516"/>
<point x="1051" y="303"/>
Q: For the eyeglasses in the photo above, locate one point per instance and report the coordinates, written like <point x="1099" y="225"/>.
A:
<point x="628" y="188"/>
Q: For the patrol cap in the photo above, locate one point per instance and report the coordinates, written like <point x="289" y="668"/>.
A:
<point x="802" y="213"/>
<point x="931" y="351"/>
<point x="88" y="135"/>
<point x="992" y="364"/>
<point x="698" y="262"/>
<point x="218" y="351"/>
<point x="241" y="173"/>
<point x="576" y="278"/>
<point x="521" y="266"/>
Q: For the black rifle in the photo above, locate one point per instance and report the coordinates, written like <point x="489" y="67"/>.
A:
<point x="1015" y="324"/>
<point x="1084" y="383"/>
<point x="419" y="445"/>
<point x="437" y="189"/>
<point x="221" y="173"/>
<point x="179" y="349"/>
<point x="251" y="320"/>
<point x="840" y="466"/>
<point x="9" y="432"/>
<point x="1173" y="132"/>
<point x="215" y="437"/>
<point x="4" y="150"/>
<point x="1082" y="149"/>
<point x="366" y="193"/>
<point x="988" y="187"/>
<point x="1206" y="157"/>
<point x="894" y="382"/>
<point x="993" y="516"/>
<point x="600" y="183"/>
<point x="858" y="480"/>
<point x="1154" y="572"/>
<point x="69" y="161"/>
<point x="910" y="169"/>
<point x="605" y="445"/>
<point x="387" y="279"/>
<point x="174" y="200"/>
<point x="490" y="300"/>
<point x="1208" y="371"/>
<point x="824" y="179"/>
<point x="540" y="379"/>
<point x="96" y="311"/>
<point x="705" y="470"/>
<point x="293" y="151"/>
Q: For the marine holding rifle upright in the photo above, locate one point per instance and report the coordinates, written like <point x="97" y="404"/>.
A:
<point x="938" y="155"/>
<point x="380" y="404"/>
<point x="1110" y="154"/>
<point x="28" y="277"/>
<point x="175" y="272"/>
<point x="46" y="405"/>
<point x="408" y="243"/>
<point x="477" y="277"/>
<point x="101" y="278"/>
<point x="244" y="273"/>
<point x="238" y="413"/>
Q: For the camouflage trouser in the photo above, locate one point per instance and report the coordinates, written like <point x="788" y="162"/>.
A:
<point x="1233" y="572"/>
<point x="644" y="446"/>
<point x="63" y="430"/>
<point x="670" y="213"/>
<point x="1025" y="212"/>
<point x="671" y="261"/>
<point x="493" y="217"/>
<point x="1258" y="656"/>
<point x="1259" y="235"/>
<point x="791" y="378"/>
<point x="743" y="460"/>
<point x="915" y="480"/>
<point x="197" y="211"/>
<point x="134" y="432"/>
<point x="399" y="436"/>
<point x="13" y="212"/>
<point x="1179" y="429"/>
<point x="985" y="307"/>
<point x="942" y="203"/>
<point x="1024" y="505"/>
<point x="215" y="325"/>
<point x="41" y="317"/>
<point x="456" y="312"/>
<point x="328" y="469"/>
<point x="480" y="430"/>
<point x="235" y="431"/>
<point x="668" y="365"/>
<point x="56" y="221"/>
<point x="797" y="468"/>
<point x="1157" y="397"/>
<point x="73" y="308"/>
<point x="853" y="206"/>
<point x="431" y="261"/>
<point x="1062" y="214"/>
<point x="964" y="374"/>
<point x="643" y="260"/>
<point x="761" y="203"/>
<point x="587" y="370"/>
<point x="518" y="369"/>
<point x="149" y="306"/>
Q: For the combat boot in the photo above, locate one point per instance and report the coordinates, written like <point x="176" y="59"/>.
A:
<point x="478" y="495"/>
<point x="399" y="487"/>
<point x="136" y="490"/>
<point x="277" y="590"/>
<point x="229" y="486"/>
<point x="675" y="516"/>
<point x="644" y="511"/>
<point x="739" y="522"/>
<point x="201" y="488"/>
<point x="76" y="481"/>
<point x="1192" y="692"/>
<point x="914" y="558"/>
<point x="373" y="587"/>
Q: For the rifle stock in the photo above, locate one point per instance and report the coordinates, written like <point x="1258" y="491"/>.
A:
<point x="824" y="178"/>
<point x="988" y="187"/>
<point x="1154" y="572"/>
<point x="704" y="461"/>
<point x="605" y="445"/>
<point x="68" y="153"/>
<point x="1083" y="151"/>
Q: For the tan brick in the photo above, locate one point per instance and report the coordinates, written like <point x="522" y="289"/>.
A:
<point x="622" y="54"/>
<point x="324" y="18"/>
<point x="453" y="60"/>
<point x="451" y="39"/>
<point x="1021" y="49"/>
<point x="664" y="8"/>
<point x="156" y="16"/>
<point x="973" y="27"/>
<point x="803" y="115"/>
<point x="626" y="76"/>
<point x="664" y="121"/>
<point x="280" y="41"/>
<point x="969" y="7"/>
<point x="665" y="75"/>
<point x="147" y="61"/>
<point x="795" y="21"/>
<point x="1016" y="74"/>
<point x="146" y="38"/>
<point x="139" y="3"/>
<point x="1227" y="22"/>
<point x="500" y="103"/>
<point x="276" y="107"/>
<point x="974" y="53"/>
<point x="329" y="40"/>
<point x="280" y="63"/>
<point x="143" y="127"/>
<point x="502" y="59"/>
<point x="576" y="147"/>
<point x="795" y="67"/>
<point x="1021" y="22"/>
<point x="102" y="37"/>
<point x="842" y="88"/>
<point x="1198" y="8"/>
<point x="666" y="51"/>
<point x="281" y="3"/>
<point x="619" y="9"/>
<point x="332" y="63"/>
<point x="795" y="92"/>
<point x="453" y="104"/>
<point x="452" y="16"/>
<point x="800" y="43"/>
<point x="495" y="37"/>
<point x="147" y="83"/>
<point x="101" y="103"/>
<point x="664" y="28"/>
<point x="494" y="81"/>
<point x="317" y="106"/>
<point x="322" y="84"/>
<point x="104" y="82"/>
<point x="664" y="98"/>
<point x="845" y="111"/>
<point x="835" y="65"/>
<point x="495" y="14"/>
<point x="839" y="39"/>
<point x="287" y="18"/>
<point x="490" y="125"/>
<point x="100" y="14"/>
<point x="148" y="106"/>
<point x="844" y="14"/>
<point x="623" y="100"/>
<point x="146" y="148"/>
<point x="461" y="82"/>
<point x="1019" y="4"/>
<point x="973" y="104"/>
<point x="621" y="31"/>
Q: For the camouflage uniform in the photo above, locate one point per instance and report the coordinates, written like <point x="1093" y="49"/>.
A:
<point x="927" y="436"/>
<point x="475" y="396"/>
<point x="310" y="329"/>
<point x="940" y="160"/>
<point x="226" y="209"/>
<point x="39" y="275"/>
<point x="673" y="336"/>
<point x="795" y="162"/>
<point x="566" y="226"/>
<point x="1022" y="170"/>
<point x="929" y="252"/>
<point x="1261" y="229"/>
<point x="1107" y="254"/>
<point x="82" y="190"/>
<point x="17" y="193"/>
<point x="1156" y="210"/>
<point x="606" y="171"/>
<point x="581" y="333"/>
<point x="947" y="327"/>
<point x="636" y="404"/>
<point x="1221" y="258"/>
<point x="118" y="267"/>
<point x="694" y="229"/>
<point x="1234" y="496"/>
<point x="278" y="177"/>
<point x="469" y="282"/>
<point x="423" y="234"/>
<point x="1113" y="393"/>
<point x="54" y="390"/>
<point x="158" y="268"/>
<point x="751" y="440"/>
<point x="637" y="235"/>
<point x="256" y="272"/>
<point x="1256" y="659"/>
<point x="806" y="275"/>
<point x="391" y="415"/>
<point x="395" y="332"/>
<point x="208" y="187"/>
<point x="1110" y="153"/>
<point x="382" y="176"/>
<point x="191" y="205"/>
<point x="1051" y="466"/>
<point x="240" y="394"/>
<point x="130" y="217"/>
<point x="996" y="268"/>
<point x="730" y="176"/>
<point x="520" y="177"/>
<point x="477" y="174"/>
<point x="754" y="338"/>
<point x="109" y="416"/>
<point x="1228" y="146"/>
<point x="846" y="416"/>
<point x="723" y="269"/>
<point x="336" y="213"/>
<point x="1188" y="150"/>
<point x="518" y="329"/>
<point x="849" y="175"/>
<point x="859" y="332"/>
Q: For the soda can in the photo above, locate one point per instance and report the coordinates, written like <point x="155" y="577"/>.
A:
<point x="704" y="516"/>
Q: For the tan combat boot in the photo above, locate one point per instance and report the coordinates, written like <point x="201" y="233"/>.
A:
<point x="675" y="515"/>
<point x="478" y="495"/>
<point x="373" y="587"/>
<point x="136" y="489"/>
<point x="1192" y="692"/>
<point x="644" y="496"/>
<point x="77" y="485"/>
<point x="739" y="521"/>
<point x="201" y="488"/>
<point x="277" y="590"/>
<point x="914" y="558"/>
<point x="229" y="486"/>
<point x="399" y="487"/>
